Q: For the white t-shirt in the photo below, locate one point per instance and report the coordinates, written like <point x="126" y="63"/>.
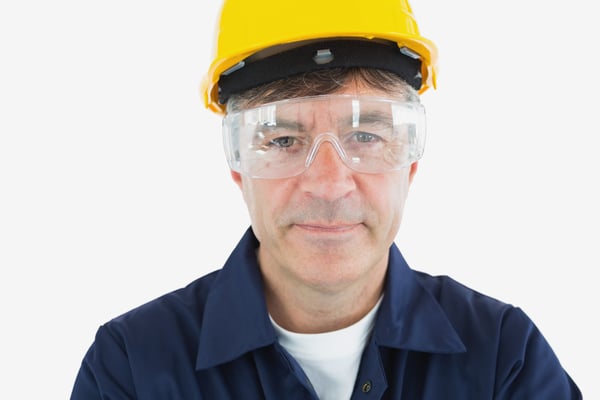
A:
<point x="330" y="360"/>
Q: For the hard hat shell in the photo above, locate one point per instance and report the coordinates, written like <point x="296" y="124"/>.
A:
<point x="246" y="27"/>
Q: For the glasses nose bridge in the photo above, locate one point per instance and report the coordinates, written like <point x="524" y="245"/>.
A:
<point x="316" y="145"/>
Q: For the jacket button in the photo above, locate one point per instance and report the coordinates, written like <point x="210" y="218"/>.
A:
<point x="366" y="387"/>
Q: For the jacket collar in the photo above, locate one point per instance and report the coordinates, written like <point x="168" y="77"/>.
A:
<point x="236" y="320"/>
<point x="410" y="316"/>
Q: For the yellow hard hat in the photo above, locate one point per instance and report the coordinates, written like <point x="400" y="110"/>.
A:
<point x="279" y="31"/>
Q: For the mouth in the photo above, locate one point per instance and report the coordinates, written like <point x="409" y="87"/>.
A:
<point x="328" y="228"/>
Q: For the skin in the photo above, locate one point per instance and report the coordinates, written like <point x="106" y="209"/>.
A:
<point x="324" y="236"/>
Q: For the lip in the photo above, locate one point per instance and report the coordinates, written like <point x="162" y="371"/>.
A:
<point x="327" y="228"/>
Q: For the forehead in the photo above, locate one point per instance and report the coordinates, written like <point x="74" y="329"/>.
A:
<point x="323" y="112"/>
<point x="332" y="106"/>
<point x="335" y="101"/>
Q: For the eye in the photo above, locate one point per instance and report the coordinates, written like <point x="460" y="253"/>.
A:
<point x="365" y="137"/>
<point x="283" y="141"/>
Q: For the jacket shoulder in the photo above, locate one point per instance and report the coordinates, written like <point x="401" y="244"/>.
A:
<point x="183" y="304"/>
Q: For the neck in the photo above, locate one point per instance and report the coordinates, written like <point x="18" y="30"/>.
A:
<point x="303" y="308"/>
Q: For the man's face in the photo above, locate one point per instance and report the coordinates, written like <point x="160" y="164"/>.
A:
<point x="330" y="226"/>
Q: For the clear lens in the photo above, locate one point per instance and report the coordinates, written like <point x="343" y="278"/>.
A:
<point x="281" y="139"/>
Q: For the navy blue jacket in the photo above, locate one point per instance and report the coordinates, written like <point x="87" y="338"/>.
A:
<point x="433" y="339"/>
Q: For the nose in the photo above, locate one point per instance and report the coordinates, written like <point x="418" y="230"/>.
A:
<point x="327" y="177"/>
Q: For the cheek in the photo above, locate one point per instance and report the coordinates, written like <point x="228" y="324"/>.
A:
<point x="251" y="193"/>
<point x="263" y="199"/>
<point x="400" y="193"/>
<point x="389" y="196"/>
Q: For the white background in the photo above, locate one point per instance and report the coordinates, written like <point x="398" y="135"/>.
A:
<point x="114" y="190"/>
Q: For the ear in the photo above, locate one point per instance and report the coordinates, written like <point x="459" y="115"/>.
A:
<point x="237" y="178"/>
<point x="413" y="170"/>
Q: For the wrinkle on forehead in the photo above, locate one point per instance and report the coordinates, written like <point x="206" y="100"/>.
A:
<point x="320" y="116"/>
<point x="325" y="115"/>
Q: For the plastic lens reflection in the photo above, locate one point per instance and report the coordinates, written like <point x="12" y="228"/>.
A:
<point x="281" y="139"/>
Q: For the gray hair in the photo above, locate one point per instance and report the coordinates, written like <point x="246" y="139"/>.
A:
<point x="323" y="82"/>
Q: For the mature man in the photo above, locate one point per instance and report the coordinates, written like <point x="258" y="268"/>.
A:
<point x="323" y="130"/>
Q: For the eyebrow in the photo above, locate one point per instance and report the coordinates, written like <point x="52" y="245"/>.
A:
<point x="284" y="123"/>
<point x="373" y="116"/>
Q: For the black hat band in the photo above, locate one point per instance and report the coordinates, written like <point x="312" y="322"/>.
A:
<point x="344" y="53"/>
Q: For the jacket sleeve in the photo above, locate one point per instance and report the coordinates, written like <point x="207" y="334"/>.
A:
<point x="527" y="366"/>
<point x="105" y="373"/>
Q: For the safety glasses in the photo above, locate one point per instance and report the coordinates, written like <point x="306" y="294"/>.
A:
<point x="281" y="139"/>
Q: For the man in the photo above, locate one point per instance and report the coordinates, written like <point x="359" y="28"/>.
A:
<point x="323" y="130"/>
